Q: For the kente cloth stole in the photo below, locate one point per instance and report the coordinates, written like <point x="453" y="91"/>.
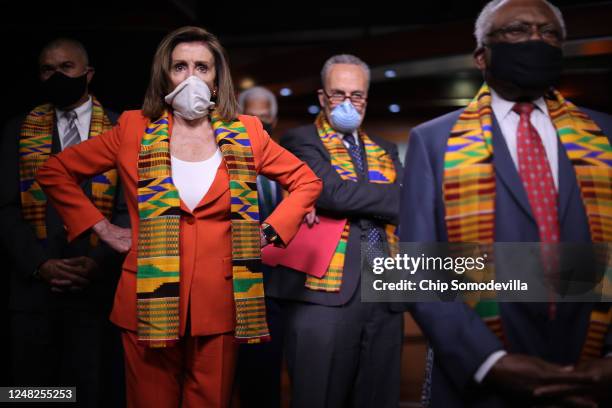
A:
<point x="158" y="273"/>
<point x="35" y="148"/>
<point x="469" y="188"/>
<point x="380" y="170"/>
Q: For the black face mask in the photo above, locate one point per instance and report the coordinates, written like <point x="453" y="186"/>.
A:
<point x="528" y="65"/>
<point x="267" y="127"/>
<point x="62" y="90"/>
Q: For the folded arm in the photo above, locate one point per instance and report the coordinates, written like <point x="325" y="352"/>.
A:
<point x="359" y="199"/>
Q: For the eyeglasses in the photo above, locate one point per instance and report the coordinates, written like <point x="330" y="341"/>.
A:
<point x="337" y="97"/>
<point x="522" y="31"/>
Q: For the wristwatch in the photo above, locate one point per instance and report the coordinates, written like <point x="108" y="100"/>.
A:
<point x="270" y="234"/>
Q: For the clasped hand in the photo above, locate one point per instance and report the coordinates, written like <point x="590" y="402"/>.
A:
<point x="543" y="384"/>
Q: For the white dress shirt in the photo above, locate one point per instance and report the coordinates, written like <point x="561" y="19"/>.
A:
<point x="83" y="120"/>
<point x="346" y="144"/>
<point x="508" y="121"/>
<point x="193" y="179"/>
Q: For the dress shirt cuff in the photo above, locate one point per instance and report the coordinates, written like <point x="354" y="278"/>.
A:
<point x="485" y="367"/>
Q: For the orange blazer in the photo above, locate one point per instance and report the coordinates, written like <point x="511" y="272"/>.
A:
<point x="206" y="291"/>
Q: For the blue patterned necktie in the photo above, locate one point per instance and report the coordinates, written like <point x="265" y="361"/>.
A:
<point x="375" y="247"/>
<point x="355" y="152"/>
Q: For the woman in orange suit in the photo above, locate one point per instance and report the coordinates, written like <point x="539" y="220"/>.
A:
<point x="190" y="287"/>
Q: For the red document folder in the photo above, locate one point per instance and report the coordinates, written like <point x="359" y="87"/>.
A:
<point x="311" y="249"/>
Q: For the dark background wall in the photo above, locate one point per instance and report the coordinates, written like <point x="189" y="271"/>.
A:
<point x="286" y="46"/>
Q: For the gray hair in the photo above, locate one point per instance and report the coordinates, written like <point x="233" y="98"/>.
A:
<point x="482" y="28"/>
<point x="344" y="59"/>
<point x="258" y="92"/>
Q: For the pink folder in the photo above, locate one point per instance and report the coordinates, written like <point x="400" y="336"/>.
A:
<point x="311" y="249"/>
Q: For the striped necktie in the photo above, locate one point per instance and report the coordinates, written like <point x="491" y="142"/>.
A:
<point x="71" y="136"/>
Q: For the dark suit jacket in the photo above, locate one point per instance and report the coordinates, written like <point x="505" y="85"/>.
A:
<point x="265" y="208"/>
<point x="24" y="251"/>
<point x="356" y="201"/>
<point x="460" y="339"/>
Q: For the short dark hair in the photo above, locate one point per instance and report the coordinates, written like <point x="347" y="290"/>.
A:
<point x="62" y="41"/>
<point x="159" y="84"/>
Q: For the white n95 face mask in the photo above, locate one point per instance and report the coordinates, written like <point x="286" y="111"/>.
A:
<point x="190" y="99"/>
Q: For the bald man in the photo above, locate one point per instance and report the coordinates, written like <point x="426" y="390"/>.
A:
<point x="60" y="292"/>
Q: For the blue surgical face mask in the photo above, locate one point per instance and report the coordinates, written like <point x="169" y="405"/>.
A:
<point x="345" y="118"/>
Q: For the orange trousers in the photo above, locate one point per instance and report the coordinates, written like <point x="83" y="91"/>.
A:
<point x="197" y="372"/>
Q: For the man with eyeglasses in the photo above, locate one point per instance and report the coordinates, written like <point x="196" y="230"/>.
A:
<point x="342" y="352"/>
<point x="60" y="291"/>
<point x="518" y="164"/>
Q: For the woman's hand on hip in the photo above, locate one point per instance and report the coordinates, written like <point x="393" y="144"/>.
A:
<point x="120" y="239"/>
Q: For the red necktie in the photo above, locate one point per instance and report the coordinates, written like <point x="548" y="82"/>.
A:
<point x="537" y="178"/>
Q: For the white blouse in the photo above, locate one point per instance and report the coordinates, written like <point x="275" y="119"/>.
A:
<point x="193" y="179"/>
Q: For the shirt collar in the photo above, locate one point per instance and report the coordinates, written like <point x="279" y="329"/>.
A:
<point x="79" y="110"/>
<point x="354" y="134"/>
<point x="502" y="107"/>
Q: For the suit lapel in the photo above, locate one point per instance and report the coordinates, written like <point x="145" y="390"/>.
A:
<point x="219" y="185"/>
<point x="56" y="144"/>
<point x="265" y="198"/>
<point x="506" y="171"/>
<point x="279" y="194"/>
<point x="567" y="181"/>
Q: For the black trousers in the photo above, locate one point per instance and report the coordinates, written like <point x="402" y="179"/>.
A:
<point x="258" y="372"/>
<point x="66" y="347"/>
<point x="346" y="356"/>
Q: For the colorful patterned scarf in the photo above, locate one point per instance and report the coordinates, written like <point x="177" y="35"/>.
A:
<point x="34" y="150"/>
<point x="158" y="236"/>
<point x="380" y="170"/>
<point x="469" y="186"/>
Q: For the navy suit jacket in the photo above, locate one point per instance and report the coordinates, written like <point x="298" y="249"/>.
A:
<point x="24" y="253"/>
<point x="459" y="338"/>
<point x="357" y="201"/>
